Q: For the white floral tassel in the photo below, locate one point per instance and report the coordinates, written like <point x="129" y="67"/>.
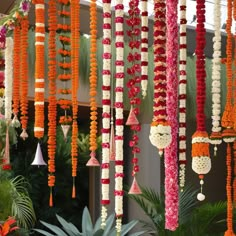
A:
<point x="8" y="77"/>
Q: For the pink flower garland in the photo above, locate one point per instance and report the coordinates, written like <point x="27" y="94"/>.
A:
<point x="106" y="109"/>
<point x="182" y="93"/>
<point x="171" y="167"/>
<point x="119" y="110"/>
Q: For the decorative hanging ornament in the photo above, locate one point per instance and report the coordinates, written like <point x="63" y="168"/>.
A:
<point x="6" y="158"/>
<point x="135" y="189"/>
<point x="38" y="159"/>
<point x="112" y="143"/>
<point x="201" y="162"/>
<point x="132" y="118"/>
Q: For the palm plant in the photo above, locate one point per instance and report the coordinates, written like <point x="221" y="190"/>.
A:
<point x="194" y="219"/>
<point x="68" y="229"/>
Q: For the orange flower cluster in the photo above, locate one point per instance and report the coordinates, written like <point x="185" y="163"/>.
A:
<point x="93" y="76"/>
<point x="64" y="91"/>
<point x="64" y="52"/>
<point x="65" y="2"/>
<point x="64" y="77"/>
<point x="52" y="106"/>
<point x="200" y="148"/>
<point x="75" y="25"/>
<point x="24" y="73"/>
<point x="65" y="120"/>
<point x="64" y="103"/>
<point x="65" y="65"/>
<point x="64" y="39"/>
<point x="63" y="27"/>
<point x="16" y="72"/>
<point x="39" y="67"/>
<point x="64" y="13"/>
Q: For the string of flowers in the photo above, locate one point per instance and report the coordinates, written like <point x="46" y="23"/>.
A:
<point x="65" y="66"/>
<point x="160" y="131"/>
<point x="52" y="101"/>
<point x="171" y="165"/>
<point x="201" y="162"/>
<point x="16" y="71"/>
<point x="39" y="68"/>
<point x="144" y="47"/>
<point x="215" y="137"/>
<point x="182" y="93"/>
<point x="106" y="110"/>
<point x="133" y="22"/>
<point x="24" y="77"/>
<point x="119" y="110"/>
<point x="75" y="25"/>
<point x="93" y="84"/>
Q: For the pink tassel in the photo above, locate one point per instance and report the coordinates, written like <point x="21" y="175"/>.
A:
<point x="135" y="188"/>
<point x="132" y="119"/>
<point x="24" y="134"/>
<point x="112" y="144"/>
<point x="92" y="161"/>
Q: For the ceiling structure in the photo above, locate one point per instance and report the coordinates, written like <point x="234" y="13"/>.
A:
<point x="7" y="5"/>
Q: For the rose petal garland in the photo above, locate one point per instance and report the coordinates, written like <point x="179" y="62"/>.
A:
<point x="144" y="47"/>
<point x="106" y="110"/>
<point x="75" y="25"/>
<point x="93" y="84"/>
<point x="201" y="162"/>
<point x="216" y="137"/>
<point x="24" y="77"/>
<point x="119" y="110"/>
<point x="39" y="68"/>
<point x="171" y="166"/>
<point x="182" y="93"/>
<point x="160" y="132"/>
<point x="52" y="105"/>
<point x="133" y="85"/>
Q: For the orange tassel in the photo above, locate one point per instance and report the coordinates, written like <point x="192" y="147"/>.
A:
<point x="73" y="191"/>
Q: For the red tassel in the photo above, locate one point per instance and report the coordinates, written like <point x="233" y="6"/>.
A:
<point x="50" y="199"/>
<point x="73" y="191"/>
<point x="135" y="188"/>
<point x="132" y="119"/>
<point x="112" y="144"/>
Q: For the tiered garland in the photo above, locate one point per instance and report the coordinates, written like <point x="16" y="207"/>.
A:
<point x="133" y="85"/>
<point x="75" y="25"/>
<point x="52" y="105"/>
<point x="216" y="137"/>
<point x="182" y="93"/>
<point x="234" y="181"/>
<point x="93" y="84"/>
<point x="106" y="109"/>
<point x="144" y="47"/>
<point x="160" y="132"/>
<point x="39" y="68"/>
<point x="171" y="164"/>
<point x="24" y="77"/>
<point x="119" y="110"/>
<point x="65" y="67"/>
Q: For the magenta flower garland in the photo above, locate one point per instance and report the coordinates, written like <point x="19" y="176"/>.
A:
<point x="106" y="109"/>
<point x="171" y="166"/>
<point x="119" y="110"/>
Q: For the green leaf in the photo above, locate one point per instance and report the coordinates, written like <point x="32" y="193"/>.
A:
<point x="43" y="232"/>
<point x="87" y="226"/>
<point x="98" y="232"/>
<point x="54" y="228"/>
<point x="127" y="227"/>
<point x="97" y="225"/>
<point x="138" y="233"/>
<point x="109" y="223"/>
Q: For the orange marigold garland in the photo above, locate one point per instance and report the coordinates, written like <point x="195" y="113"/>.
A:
<point x="75" y="25"/>
<point x="39" y="68"/>
<point x="52" y="106"/>
<point x="201" y="162"/>
<point x="93" y="84"/>
<point x="234" y="181"/>
<point x="24" y="77"/>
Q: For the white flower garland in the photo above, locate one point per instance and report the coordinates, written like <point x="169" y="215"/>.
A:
<point x="182" y="94"/>
<point x="106" y="95"/>
<point x="216" y="84"/>
<point x="144" y="47"/>
<point x="8" y="77"/>
<point x="119" y="127"/>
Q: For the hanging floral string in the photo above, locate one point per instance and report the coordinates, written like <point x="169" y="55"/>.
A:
<point x="75" y="25"/>
<point x="106" y="110"/>
<point x="93" y="84"/>
<point x="144" y="47"/>
<point x="215" y="136"/>
<point x="119" y="110"/>
<point x="160" y="132"/>
<point x="16" y="71"/>
<point x="52" y="101"/>
<point x="24" y="77"/>
<point x="65" y="66"/>
<point x="182" y="93"/>
<point x="201" y="162"/>
<point x="39" y="68"/>
<point x="133" y="85"/>
<point x="171" y="166"/>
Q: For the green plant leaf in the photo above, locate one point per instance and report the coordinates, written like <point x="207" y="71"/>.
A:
<point x="43" y="232"/>
<point x="97" y="225"/>
<point x="87" y="226"/>
<point x="127" y="227"/>
<point x="138" y="233"/>
<point x="54" y="228"/>
<point x="109" y="223"/>
<point x="99" y="232"/>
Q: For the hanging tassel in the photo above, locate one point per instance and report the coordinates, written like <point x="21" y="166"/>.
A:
<point x="132" y="119"/>
<point x="73" y="189"/>
<point x="134" y="189"/>
<point x="50" y="198"/>
<point x="112" y="143"/>
<point x="24" y="134"/>
<point x="65" y="130"/>
<point x="92" y="161"/>
<point x="6" y="159"/>
<point x="15" y="122"/>
<point x="38" y="160"/>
